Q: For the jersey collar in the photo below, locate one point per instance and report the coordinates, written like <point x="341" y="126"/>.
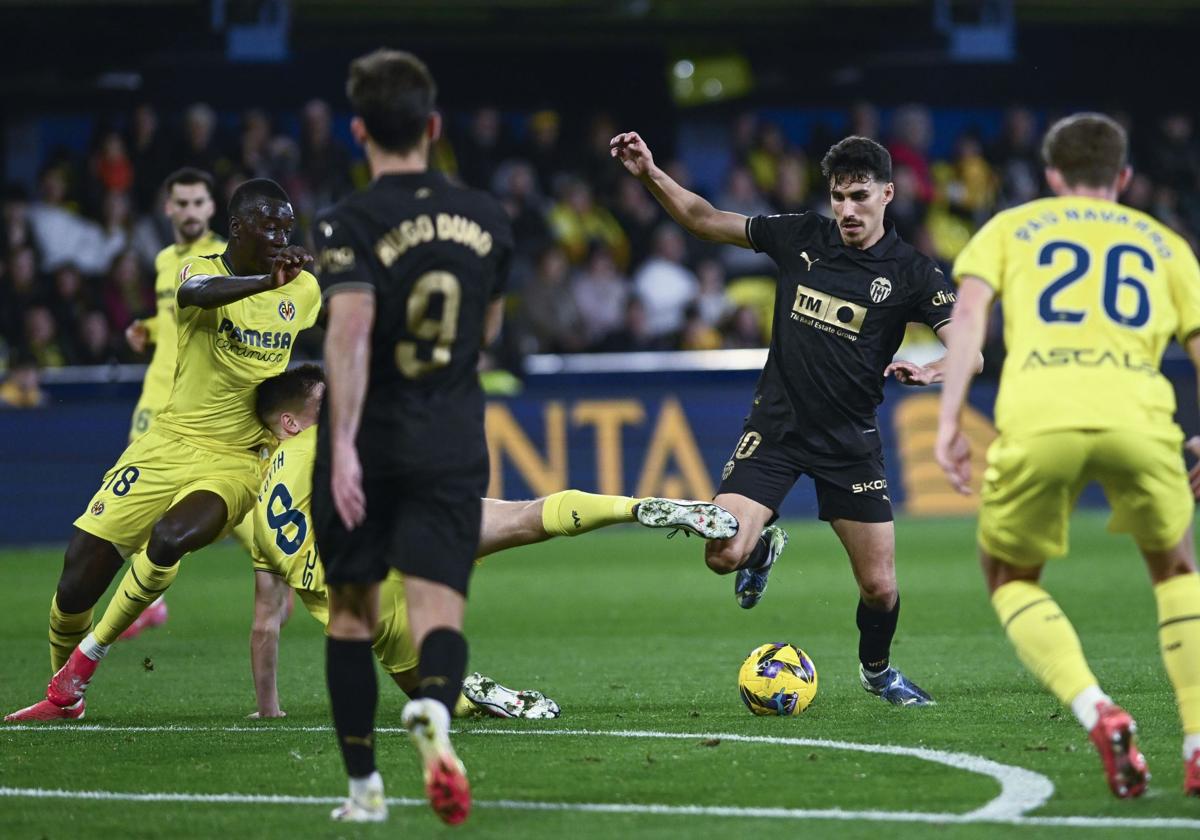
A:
<point x="876" y="252"/>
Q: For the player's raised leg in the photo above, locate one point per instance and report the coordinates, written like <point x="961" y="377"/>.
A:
<point x="871" y="548"/>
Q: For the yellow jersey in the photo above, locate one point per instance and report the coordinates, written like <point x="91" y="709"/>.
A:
<point x="224" y="353"/>
<point x="156" y="387"/>
<point x="284" y="542"/>
<point x="1092" y="291"/>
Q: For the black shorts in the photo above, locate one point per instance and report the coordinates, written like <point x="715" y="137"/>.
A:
<point x="854" y="489"/>
<point x="425" y="528"/>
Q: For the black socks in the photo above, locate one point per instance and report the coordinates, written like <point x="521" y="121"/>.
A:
<point x="443" y="664"/>
<point x="875" y="632"/>
<point x="353" y="695"/>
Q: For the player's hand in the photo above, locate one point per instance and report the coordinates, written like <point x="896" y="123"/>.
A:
<point x="908" y="373"/>
<point x="1192" y="445"/>
<point x="288" y="264"/>
<point x="953" y="453"/>
<point x="346" y="486"/>
<point x="632" y="151"/>
<point x="137" y="336"/>
<point x="276" y="713"/>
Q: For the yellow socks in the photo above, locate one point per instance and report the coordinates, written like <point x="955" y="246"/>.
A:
<point x="464" y="707"/>
<point x="1045" y="640"/>
<point x="141" y="586"/>
<point x="1179" y="639"/>
<point x="572" y="512"/>
<point x="66" y="631"/>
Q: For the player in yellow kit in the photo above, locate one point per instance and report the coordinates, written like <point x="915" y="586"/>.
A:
<point x="285" y="551"/>
<point x="196" y="471"/>
<point x="1092" y="293"/>
<point x="189" y="206"/>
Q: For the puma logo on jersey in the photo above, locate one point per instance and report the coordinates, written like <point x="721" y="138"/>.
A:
<point x="575" y="518"/>
<point x="804" y="256"/>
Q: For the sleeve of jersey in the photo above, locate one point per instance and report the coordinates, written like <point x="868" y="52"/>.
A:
<point x="937" y="298"/>
<point x="766" y="233"/>
<point x="983" y="256"/>
<point x="343" y="261"/>
<point x="1185" y="289"/>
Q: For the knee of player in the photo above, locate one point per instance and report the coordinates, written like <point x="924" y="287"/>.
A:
<point x="878" y="592"/>
<point x="167" y="543"/>
<point x="722" y="558"/>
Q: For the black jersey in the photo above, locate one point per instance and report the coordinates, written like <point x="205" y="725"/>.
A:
<point x="840" y="315"/>
<point x="435" y="256"/>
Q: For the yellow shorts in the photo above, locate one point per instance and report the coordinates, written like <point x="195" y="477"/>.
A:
<point x="152" y="473"/>
<point x="1032" y="483"/>
<point x="393" y="642"/>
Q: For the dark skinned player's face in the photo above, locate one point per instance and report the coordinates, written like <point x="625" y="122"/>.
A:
<point x="264" y="232"/>
<point x="858" y="207"/>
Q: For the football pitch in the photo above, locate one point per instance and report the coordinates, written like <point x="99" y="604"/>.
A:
<point x="641" y="645"/>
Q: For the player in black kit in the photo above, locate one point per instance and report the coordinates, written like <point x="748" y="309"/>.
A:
<point x="413" y="269"/>
<point x="848" y="287"/>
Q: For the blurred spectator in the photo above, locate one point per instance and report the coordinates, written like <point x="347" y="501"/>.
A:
<point x="600" y="293"/>
<point x="150" y="155"/>
<point x="95" y="343"/>
<point x="744" y="332"/>
<point x="598" y="167"/>
<point x="14" y="216"/>
<point x="515" y="184"/>
<point x="791" y="189"/>
<point x="42" y="340"/>
<point x="110" y="167"/>
<point x="21" y="389"/>
<point x="63" y="237"/>
<point x="71" y="299"/>
<point x="912" y="135"/>
<point x="763" y="160"/>
<point x="712" y="302"/>
<point x="548" y="309"/>
<point x="967" y="184"/>
<point x="1175" y="156"/>
<point x="638" y="214"/>
<point x="253" y="158"/>
<point x="199" y="148"/>
<point x="578" y="222"/>
<point x="482" y="149"/>
<point x="906" y="211"/>
<point x="742" y="196"/>
<point x="864" y="121"/>
<point x="1017" y="160"/>
<point x="635" y="335"/>
<point x="545" y="151"/>
<point x="664" y="284"/>
<point x="698" y="334"/>
<point x="22" y="290"/>
<point x="127" y="294"/>
<point x="324" y="162"/>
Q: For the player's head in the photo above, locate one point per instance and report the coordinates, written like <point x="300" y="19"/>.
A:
<point x="289" y="403"/>
<point x="859" y="173"/>
<point x="1087" y="152"/>
<point x="393" y="96"/>
<point x="190" y="204"/>
<point x="260" y="221"/>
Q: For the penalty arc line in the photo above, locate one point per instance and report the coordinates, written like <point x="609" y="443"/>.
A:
<point x="1021" y="790"/>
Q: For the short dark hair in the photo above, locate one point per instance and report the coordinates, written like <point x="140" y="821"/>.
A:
<point x="856" y="159"/>
<point x="247" y="196"/>
<point x="289" y="390"/>
<point x="1088" y="149"/>
<point x="394" y="94"/>
<point x="189" y="176"/>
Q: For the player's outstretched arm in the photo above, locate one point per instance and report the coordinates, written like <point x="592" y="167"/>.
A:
<point x="270" y="603"/>
<point x="208" y="291"/>
<point x="691" y="211"/>
<point x="964" y="340"/>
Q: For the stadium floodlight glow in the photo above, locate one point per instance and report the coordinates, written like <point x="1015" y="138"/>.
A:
<point x="684" y="69"/>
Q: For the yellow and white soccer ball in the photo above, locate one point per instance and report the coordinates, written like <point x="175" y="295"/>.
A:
<point x="777" y="679"/>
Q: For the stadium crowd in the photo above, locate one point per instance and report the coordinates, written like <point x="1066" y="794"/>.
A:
<point x="598" y="266"/>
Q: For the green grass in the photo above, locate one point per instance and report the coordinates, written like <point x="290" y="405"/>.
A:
<point x="626" y="631"/>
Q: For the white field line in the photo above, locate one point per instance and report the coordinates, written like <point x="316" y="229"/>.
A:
<point x="1021" y="790"/>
